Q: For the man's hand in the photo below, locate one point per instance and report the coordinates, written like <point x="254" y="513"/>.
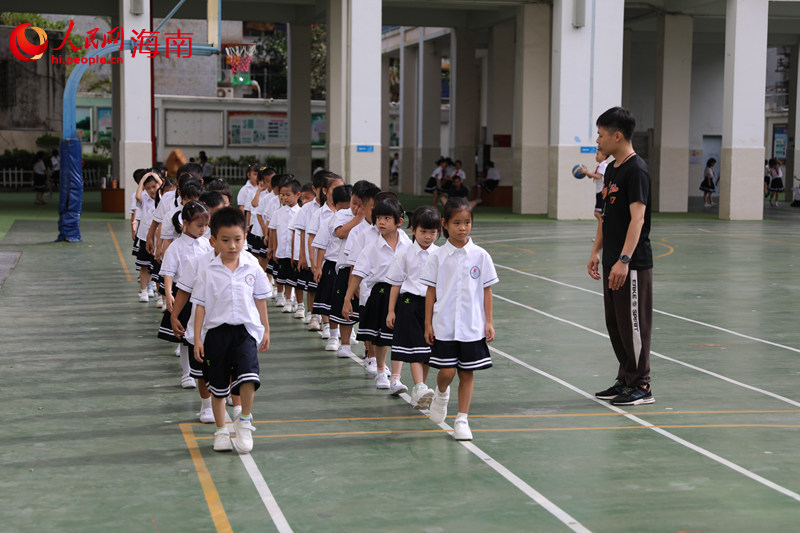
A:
<point x="617" y="276"/>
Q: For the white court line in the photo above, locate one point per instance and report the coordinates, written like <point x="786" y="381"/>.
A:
<point x="704" y="230"/>
<point x="526" y="489"/>
<point x="711" y="455"/>
<point x="665" y="357"/>
<point x="671" y="315"/>
<point x="267" y="498"/>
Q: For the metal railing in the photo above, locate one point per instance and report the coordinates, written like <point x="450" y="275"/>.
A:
<point x="20" y="178"/>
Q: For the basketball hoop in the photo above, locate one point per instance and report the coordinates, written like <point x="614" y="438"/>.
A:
<point x="239" y="57"/>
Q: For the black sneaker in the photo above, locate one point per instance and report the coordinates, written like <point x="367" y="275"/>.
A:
<point x="634" y="396"/>
<point x="612" y="392"/>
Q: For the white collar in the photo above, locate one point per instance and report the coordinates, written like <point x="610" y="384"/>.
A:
<point x="450" y="249"/>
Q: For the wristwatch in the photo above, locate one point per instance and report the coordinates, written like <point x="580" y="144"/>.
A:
<point x="625" y="259"/>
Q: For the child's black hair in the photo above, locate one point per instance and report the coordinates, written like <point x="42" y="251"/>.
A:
<point x="190" y="211"/>
<point x="212" y="199"/>
<point x="425" y="217"/>
<point x="161" y="168"/>
<point x="138" y="173"/>
<point x="388" y="207"/>
<point x="293" y="184"/>
<point x="191" y="168"/>
<point x="148" y="179"/>
<point x="264" y="172"/>
<point x="275" y="181"/>
<point x="342" y="194"/>
<point x="227" y="217"/>
<point x="330" y="177"/>
<point x="307" y="187"/>
<point x="318" y="179"/>
<point x="360" y="187"/>
<point x="222" y="187"/>
<point x="371" y="193"/>
<point x="191" y="189"/>
<point x="453" y="206"/>
<point x="618" y="119"/>
<point x="382" y="195"/>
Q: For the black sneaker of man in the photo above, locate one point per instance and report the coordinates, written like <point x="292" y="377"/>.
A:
<point x="612" y="392"/>
<point x="634" y="396"/>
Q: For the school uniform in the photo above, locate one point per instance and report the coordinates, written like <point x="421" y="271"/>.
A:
<point x="232" y="329"/>
<point x="186" y="283"/>
<point x="144" y="259"/>
<point x="136" y="213"/>
<point x="167" y="205"/>
<point x="372" y="266"/>
<point x="459" y="276"/>
<point x="408" y="343"/>
<point x="342" y="217"/>
<point x="271" y="204"/>
<point x="598" y="186"/>
<point x="176" y="257"/>
<point x="305" y="278"/>
<point x="255" y="239"/>
<point x="279" y="223"/>
<point x="320" y="229"/>
<point x="245" y="194"/>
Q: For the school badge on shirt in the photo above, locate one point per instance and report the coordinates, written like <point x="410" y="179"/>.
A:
<point x="475" y="272"/>
<point x="250" y="280"/>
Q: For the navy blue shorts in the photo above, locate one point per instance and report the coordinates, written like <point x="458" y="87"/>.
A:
<point x="462" y="355"/>
<point x="286" y="274"/>
<point x="231" y="358"/>
<point x="409" y="344"/>
<point x="372" y="325"/>
<point x="339" y="293"/>
<point x="327" y="284"/>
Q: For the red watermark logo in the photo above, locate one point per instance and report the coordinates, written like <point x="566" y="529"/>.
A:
<point x="143" y="42"/>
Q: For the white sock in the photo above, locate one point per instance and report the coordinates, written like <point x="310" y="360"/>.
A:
<point x="185" y="359"/>
<point x="205" y="403"/>
<point x="335" y="333"/>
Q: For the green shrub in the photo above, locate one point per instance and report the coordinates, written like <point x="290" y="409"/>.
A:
<point x="17" y="158"/>
<point x="48" y="141"/>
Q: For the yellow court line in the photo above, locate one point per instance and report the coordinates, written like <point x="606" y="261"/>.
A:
<point x="119" y="253"/>
<point x="670" y="250"/>
<point x="518" y="430"/>
<point x="218" y="514"/>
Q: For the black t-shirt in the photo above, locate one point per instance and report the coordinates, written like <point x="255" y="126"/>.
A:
<point x="624" y="185"/>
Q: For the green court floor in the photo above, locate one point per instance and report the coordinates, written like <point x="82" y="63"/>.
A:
<point x="98" y="435"/>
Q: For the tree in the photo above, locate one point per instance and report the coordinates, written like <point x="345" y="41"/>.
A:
<point x="270" y="62"/>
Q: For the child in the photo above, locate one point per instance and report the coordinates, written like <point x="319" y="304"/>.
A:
<point x="222" y="187"/>
<point x="256" y="244"/>
<point x="597" y="177"/>
<point x="245" y="195"/>
<point x="458" y="313"/>
<point x="299" y="261"/>
<point x="318" y="224"/>
<point x="190" y="244"/>
<point x="136" y="209"/>
<point x="264" y="212"/>
<point x="231" y="324"/>
<point x="306" y="274"/>
<point x="406" y="314"/>
<point x="369" y="273"/>
<point x="146" y="197"/>
<point x="281" y="240"/>
<point x="328" y="245"/>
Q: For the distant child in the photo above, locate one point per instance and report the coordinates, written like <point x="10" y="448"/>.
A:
<point x="299" y="255"/>
<point x="406" y="314"/>
<point x="136" y="209"/>
<point x="247" y="191"/>
<point x="458" y="313"/>
<point x="256" y="243"/>
<point x="266" y="208"/>
<point x="222" y="187"/>
<point x="597" y="177"/>
<point x="369" y="276"/>
<point x="146" y="197"/>
<point x="231" y="325"/>
<point x="281" y="240"/>
<point x="306" y="273"/>
<point x="191" y="243"/>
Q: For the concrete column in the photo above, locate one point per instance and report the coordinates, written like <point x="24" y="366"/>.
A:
<point x="500" y="112"/>
<point x="132" y="104"/>
<point x="793" y="151"/>
<point x="741" y="195"/>
<point x="586" y="80"/>
<point x="464" y="105"/>
<point x="429" y="105"/>
<point x="336" y="105"/>
<point x="531" y="105"/>
<point x="669" y="166"/>
<point x="384" y="176"/>
<point x="626" y="67"/>
<point x="409" y="183"/>
<point x="299" y="90"/>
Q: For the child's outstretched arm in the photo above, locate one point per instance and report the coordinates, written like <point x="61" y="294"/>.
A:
<point x="177" y="307"/>
<point x="393" y="295"/>
<point x="352" y="284"/>
<point x="261" y="305"/>
<point x="170" y="300"/>
<point x="488" y="306"/>
<point x="199" y="318"/>
<point x="430" y="299"/>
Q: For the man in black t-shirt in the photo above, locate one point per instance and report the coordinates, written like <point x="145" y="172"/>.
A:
<point x="623" y="234"/>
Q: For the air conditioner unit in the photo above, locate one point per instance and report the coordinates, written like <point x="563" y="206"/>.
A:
<point x="224" y="92"/>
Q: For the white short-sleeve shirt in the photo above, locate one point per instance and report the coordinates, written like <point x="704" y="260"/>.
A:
<point x="459" y="275"/>
<point x="229" y="297"/>
<point x="256" y="227"/>
<point x="407" y="268"/>
<point x="186" y="284"/>
<point x="247" y="199"/>
<point x="166" y="204"/>
<point x="601" y="169"/>
<point x="280" y="222"/>
<point x="301" y="223"/>
<point x="167" y="227"/>
<point x="373" y="263"/>
<point x="244" y="193"/>
<point x="180" y="253"/>
<point x="148" y="206"/>
<point x="342" y="217"/>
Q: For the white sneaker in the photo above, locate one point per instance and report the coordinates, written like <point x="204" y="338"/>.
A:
<point x="280" y="301"/>
<point x="325" y="333"/>
<point x="307" y="318"/>
<point x="439" y="405"/>
<point x="150" y="292"/>
<point x="244" y="434"/>
<point x="371" y="367"/>
<point x="294" y="306"/>
<point x="314" y="323"/>
<point x="381" y="381"/>
<point x="160" y="301"/>
<point x="395" y="387"/>
<point x="461" y="429"/>
<point x="188" y="382"/>
<point x="332" y="345"/>
<point x="300" y="312"/>
<point x="222" y="440"/>
<point x="143" y="296"/>
<point x="206" y="416"/>
<point x="287" y="307"/>
<point x="421" y="396"/>
<point x="344" y="351"/>
<point x="178" y="351"/>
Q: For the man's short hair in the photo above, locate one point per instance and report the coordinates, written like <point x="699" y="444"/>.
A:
<point x="618" y="119"/>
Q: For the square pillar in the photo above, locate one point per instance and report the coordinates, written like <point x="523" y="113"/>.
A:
<point x="429" y="110"/>
<point x="409" y="184"/>
<point x="384" y="176"/>
<point x="792" y="168"/>
<point x="337" y="72"/>
<point x="586" y="81"/>
<point x="464" y="106"/>
<point x="741" y="195"/>
<point x="531" y="106"/>
<point x="500" y="109"/>
<point x="669" y="167"/>
<point x="131" y="105"/>
<point x="299" y="90"/>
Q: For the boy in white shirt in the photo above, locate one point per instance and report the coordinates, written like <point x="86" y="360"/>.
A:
<point x="280" y="240"/>
<point x="231" y="325"/>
